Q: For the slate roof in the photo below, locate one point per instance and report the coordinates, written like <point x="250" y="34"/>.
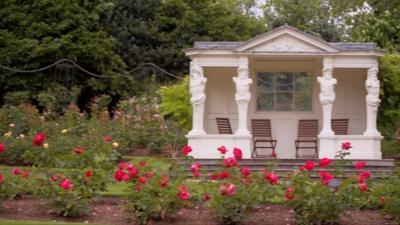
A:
<point x="343" y="46"/>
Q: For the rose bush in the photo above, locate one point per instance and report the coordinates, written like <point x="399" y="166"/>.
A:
<point x="152" y="196"/>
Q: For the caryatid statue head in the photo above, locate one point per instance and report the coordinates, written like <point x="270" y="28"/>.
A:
<point x="327" y="72"/>
<point x="195" y="70"/>
<point x="243" y="72"/>
<point x="372" y="73"/>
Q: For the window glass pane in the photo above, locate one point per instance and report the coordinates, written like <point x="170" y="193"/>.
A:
<point x="303" y="81"/>
<point x="265" y="81"/>
<point x="284" y="81"/>
<point x="303" y="100"/>
<point x="284" y="101"/>
<point x="265" y="101"/>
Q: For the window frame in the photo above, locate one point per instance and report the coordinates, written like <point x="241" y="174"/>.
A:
<point x="309" y="73"/>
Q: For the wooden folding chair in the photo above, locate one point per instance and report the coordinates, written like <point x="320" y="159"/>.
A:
<point x="224" y="126"/>
<point x="340" y="126"/>
<point x="261" y="131"/>
<point x="307" y="133"/>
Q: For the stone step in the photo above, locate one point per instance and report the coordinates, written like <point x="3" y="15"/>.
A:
<point x="378" y="168"/>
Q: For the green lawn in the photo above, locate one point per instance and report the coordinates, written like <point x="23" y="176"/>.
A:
<point x="30" y="222"/>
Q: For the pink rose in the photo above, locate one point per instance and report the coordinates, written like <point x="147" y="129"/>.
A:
<point x="66" y="184"/>
<point x="237" y="153"/>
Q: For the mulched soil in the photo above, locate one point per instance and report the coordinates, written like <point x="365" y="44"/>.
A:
<point x="110" y="211"/>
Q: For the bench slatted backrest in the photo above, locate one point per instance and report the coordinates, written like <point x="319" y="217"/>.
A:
<point x="224" y="126"/>
<point x="261" y="128"/>
<point x="308" y="129"/>
<point x="340" y="126"/>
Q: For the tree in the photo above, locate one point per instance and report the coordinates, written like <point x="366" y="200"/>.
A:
<point x="36" y="33"/>
<point x="322" y="18"/>
<point x="378" y="22"/>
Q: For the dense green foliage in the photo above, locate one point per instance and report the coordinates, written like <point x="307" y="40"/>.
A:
<point x="176" y="104"/>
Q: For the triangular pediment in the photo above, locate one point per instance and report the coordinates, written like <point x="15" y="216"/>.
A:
<point x="286" y="39"/>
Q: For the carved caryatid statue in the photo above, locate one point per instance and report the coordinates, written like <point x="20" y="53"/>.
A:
<point x="372" y="99"/>
<point x="197" y="86"/>
<point x="327" y="97"/>
<point x="242" y="97"/>
<point x="242" y="82"/>
<point x="327" y="83"/>
<point x="373" y="86"/>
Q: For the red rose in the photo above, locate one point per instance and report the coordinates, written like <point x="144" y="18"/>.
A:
<point x="302" y="168"/>
<point x="274" y="155"/>
<point x="54" y="178"/>
<point x="184" y="195"/>
<point x="195" y="167"/>
<point x="138" y="188"/>
<point x="206" y="197"/>
<point x="16" y="171"/>
<point x="237" y="153"/>
<point x="227" y="189"/>
<point x="325" y="177"/>
<point x="346" y="145"/>
<point x="324" y="162"/>
<point x="78" y="150"/>
<point x="245" y="171"/>
<point x="230" y="162"/>
<point x="1" y="178"/>
<point x="224" y="175"/>
<point x="382" y="198"/>
<point x="359" y="165"/>
<point x="186" y="150"/>
<point x="107" y="139"/>
<point x="142" y="180"/>
<point x="149" y="174"/>
<point x="223" y="150"/>
<point x="289" y="193"/>
<point x="122" y="165"/>
<point x="363" y="187"/>
<point x="39" y="139"/>
<point x="2" y="147"/>
<point x="142" y="163"/>
<point x="309" y="165"/>
<point x="364" y="175"/>
<point x="120" y="175"/>
<point x="66" y="184"/>
<point x="196" y="173"/>
<point x="272" y="178"/>
<point x="25" y="173"/>
<point x="164" y="181"/>
<point x="88" y="173"/>
<point x="132" y="171"/>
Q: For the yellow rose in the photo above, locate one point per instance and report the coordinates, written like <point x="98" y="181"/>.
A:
<point x="11" y="125"/>
<point x="8" y="134"/>
<point x="115" y="144"/>
<point x="64" y="131"/>
<point x="45" y="145"/>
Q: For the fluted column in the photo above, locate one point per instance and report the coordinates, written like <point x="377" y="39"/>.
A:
<point x="372" y="101"/>
<point x="242" y="96"/>
<point x="197" y="86"/>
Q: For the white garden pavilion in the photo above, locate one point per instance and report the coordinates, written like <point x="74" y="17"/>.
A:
<point x="284" y="75"/>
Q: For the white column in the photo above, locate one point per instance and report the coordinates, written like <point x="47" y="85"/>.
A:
<point x="243" y="95"/>
<point x="197" y="86"/>
<point x="372" y="99"/>
<point x="327" y="97"/>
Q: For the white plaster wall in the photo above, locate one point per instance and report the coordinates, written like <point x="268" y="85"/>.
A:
<point x="350" y="99"/>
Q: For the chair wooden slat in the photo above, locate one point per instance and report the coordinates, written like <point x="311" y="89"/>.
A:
<point x="224" y="126"/>
<point x="307" y="132"/>
<point x="261" y="131"/>
<point x="340" y="126"/>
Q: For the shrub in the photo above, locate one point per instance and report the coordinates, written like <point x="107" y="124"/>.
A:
<point x="152" y="196"/>
<point x="391" y="197"/>
<point x="176" y="104"/>
<point x="69" y="192"/>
